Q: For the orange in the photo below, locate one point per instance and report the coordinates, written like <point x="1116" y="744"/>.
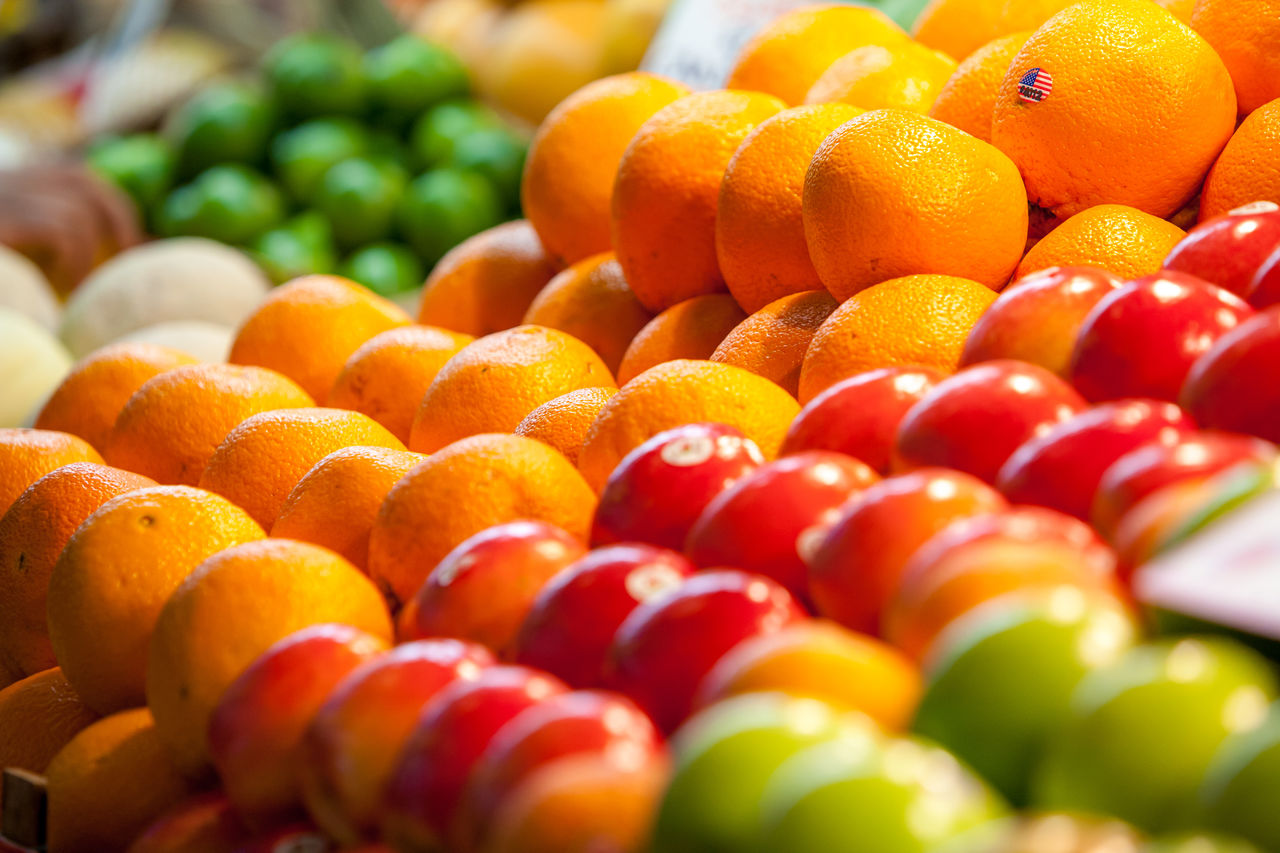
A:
<point x="664" y="199"/>
<point x="467" y="487"/>
<point x="592" y="301"/>
<point x="89" y="399"/>
<point x="386" y="378"/>
<point x="308" y="328"/>
<point x="26" y="455"/>
<point x="1247" y="171"/>
<point x="230" y="610"/>
<point x="772" y="341"/>
<point x="893" y="193"/>
<point x="684" y="392"/>
<point x="788" y="55"/>
<point x="1121" y="239"/>
<point x="564" y="421"/>
<point x="32" y="535"/>
<point x="1140" y="107"/>
<point x="918" y="319"/>
<point x="1246" y="34"/>
<point x="959" y="27"/>
<point x="760" y="241"/>
<point x="485" y="283"/>
<point x="38" y="716"/>
<point x="490" y="385"/>
<point x="173" y="423"/>
<point x="968" y="100"/>
<point x="109" y="783"/>
<point x="904" y="76"/>
<point x="1182" y="10"/>
<point x="572" y="160"/>
<point x="262" y="459"/>
<point x="115" y="574"/>
<point x="335" y="503"/>
<point x="689" y="329"/>
<point x="1028" y="14"/>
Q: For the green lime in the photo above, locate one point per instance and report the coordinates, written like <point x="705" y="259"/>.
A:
<point x="443" y="207"/>
<point x="436" y="133"/>
<point x="301" y="156"/>
<point x="142" y="165"/>
<point x="497" y="155"/>
<point x="232" y="204"/>
<point x="316" y="74"/>
<point x="407" y="75"/>
<point x="224" y="123"/>
<point x="301" y="246"/>
<point x="384" y="268"/>
<point x="359" y="196"/>
<point x="389" y="146"/>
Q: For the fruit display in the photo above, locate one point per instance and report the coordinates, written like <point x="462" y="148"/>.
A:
<point x="876" y="455"/>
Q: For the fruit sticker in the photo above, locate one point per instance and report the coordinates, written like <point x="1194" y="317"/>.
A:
<point x="1035" y="85"/>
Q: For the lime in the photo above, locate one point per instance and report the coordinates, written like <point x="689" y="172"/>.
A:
<point x="497" y="155"/>
<point x="443" y="207"/>
<point x="407" y="75"/>
<point x="224" y="123"/>
<point x="388" y="146"/>
<point x="384" y="268"/>
<point x="315" y="74"/>
<point x="436" y="133"/>
<point x="231" y="204"/>
<point x="359" y="196"/>
<point x="301" y="246"/>
<point x="301" y="156"/>
<point x="142" y="165"/>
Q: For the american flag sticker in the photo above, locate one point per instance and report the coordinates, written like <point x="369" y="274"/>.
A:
<point x="1035" y="85"/>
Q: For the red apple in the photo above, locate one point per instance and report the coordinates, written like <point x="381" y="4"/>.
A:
<point x="571" y="625"/>
<point x="256" y="731"/>
<point x="1236" y="385"/>
<point x="455" y="728"/>
<point x="1141" y="340"/>
<point x="484" y="588"/>
<point x="1264" y="288"/>
<point x="1227" y="250"/>
<point x="859" y="416"/>
<point x="1062" y="468"/>
<point x="666" y="646"/>
<point x="973" y="421"/>
<point x="659" y="489"/>
<point x="758" y="523"/>
<point x="206" y="823"/>
<point x="353" y="741"/>
<point x="1036" y="319"/>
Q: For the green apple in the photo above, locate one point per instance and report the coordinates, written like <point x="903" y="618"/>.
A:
<point x="1240" y="790"/>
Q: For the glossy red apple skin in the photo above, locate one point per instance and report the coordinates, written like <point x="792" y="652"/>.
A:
<point x="571" y="625"/>
<point x="758" y="523"/>
<point x="455" y="729"/>
<point x="667" y="645"/>
<point x="859" y="416"/>
<point x="1264" y="288"/>
<point x="1036" y="319"/>
<point x="1236" y="385"/>
<point x="483" y="589"/>
<point x="975" y="420"/>
<point x="1142" y="339"/>
<point x="659" y="489"/>
<point x="206" y="823"/>
<point x="1228" y="250"/>
<point x="1061" y="469"/>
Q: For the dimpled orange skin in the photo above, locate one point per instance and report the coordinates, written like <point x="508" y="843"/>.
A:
<point x="893" y="193"/>
<point x="467" y="487"/>
<point x="918" y="319"/>
<point x="89" y="399"/>
<point x="968" y="100"/>
<point x="1247" y="171"/>
<point x="386" y="378"/>
<point x="668" y="182"/>
<point x="173" y="423"/>
<point x="1246" y="34"/>
<point x="787" y="56"/>
<point x="904" y="76"/>
<point x="772" y="341"/>
<point x="485" y="283"/>
<point x="1116" y="238"/>
<point x="592" y="301"/>
<point x="691" y="329"/>
<point x="760" y="241"/>
<point x="1140" y="108"/>
<point x="26" y="455"/>
<point x="38" y="716"/>
<point x="573" y="158"/>
<point x="563" y="422"/>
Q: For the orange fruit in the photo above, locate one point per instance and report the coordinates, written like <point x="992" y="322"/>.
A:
<point x="592" y="301"/>
<point x="490" y="385"/>
<point x="918" y="319"/>
<point x="691" y="329"/>
<point x="1121" y="239"/>
<point x="386" y="378"/>
<point x="1246" y="34"/>
<point x="38" y="716"/>
<point x="1028" y="14"/>
<point x="893" y="193"/>
<point x="664" y="199"/>
<point x="230" y="610"/>
<point x="32" y="535"/>
<point x="905" y="76"/>
<point x="173" y="423"/>
<point x="1246" y="171"/>
<point x="308" y="328"/>
<point x="564" y="421"/>
<point x="335" y="503"/>
<point x="109" y="783"/>
<point x="117" y="571"/>
<point x="572" y="160"/>
<point x="464" y="488"/>
<point x="89" y="399"/>
<point x="790" y="53"/>
<point x="772" y="341"/>
<point x="485" y="283"/>
<point x="26" y="455"/>
<point x="684" y="392"/>
<point x="1140" y="107"/>
<point x="760" y="241"/>
<point x="1182" y="10"/>
<point x="968" y="100"/>
<point x="959" y="27"/>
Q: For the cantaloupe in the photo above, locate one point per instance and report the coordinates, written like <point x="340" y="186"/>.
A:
<point x="206" y="341"/>
<point x="24" y="288"/>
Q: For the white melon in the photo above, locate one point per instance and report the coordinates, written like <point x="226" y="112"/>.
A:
<point x="208" y="342"/>
<point x="32" y="364"/>
<point x="24" y="288"/>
